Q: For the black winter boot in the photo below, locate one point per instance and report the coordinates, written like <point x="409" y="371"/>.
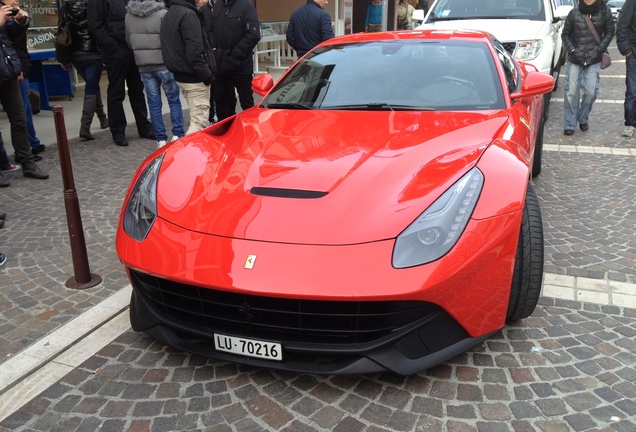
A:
<point x="88" y="111"/>
<point x="99" y="110"/>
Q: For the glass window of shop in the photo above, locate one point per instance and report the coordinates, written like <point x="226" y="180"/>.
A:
<point x="43" y="15"/>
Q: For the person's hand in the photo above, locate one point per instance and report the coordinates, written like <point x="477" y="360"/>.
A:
<point x="628" y="54"/>
<point x="21" y="77"/>
<point x="64" y="66"/>
<point x="5" y="14"/>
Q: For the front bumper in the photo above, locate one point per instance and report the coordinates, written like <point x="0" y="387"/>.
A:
<point x="317" y="337"/>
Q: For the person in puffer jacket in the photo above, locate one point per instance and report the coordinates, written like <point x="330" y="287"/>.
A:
<point x="87" y="61"/>
<point x="584" y="60"/>
<point x="143" y="28"/>
<point x="186" y="51"/>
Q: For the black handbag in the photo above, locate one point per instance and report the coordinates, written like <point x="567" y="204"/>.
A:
<point x="63" y="44"/>
<point x="606" y="60"/>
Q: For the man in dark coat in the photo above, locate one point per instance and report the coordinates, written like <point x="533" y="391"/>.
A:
<point x="106" y="23"/>
<point x="10" y="69"/>
<point x="186" y="51"/>
<point x="236" y="32"/>
<point x="308" y="26"/>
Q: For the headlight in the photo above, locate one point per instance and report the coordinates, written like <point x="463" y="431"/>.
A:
<point x="528" y="50"/>
<point x="141" y="208"/>
<point x="437" y="230"/>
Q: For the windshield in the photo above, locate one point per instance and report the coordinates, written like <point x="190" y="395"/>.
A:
<point x="392" y="75"/>
<point x="488" y="9"/>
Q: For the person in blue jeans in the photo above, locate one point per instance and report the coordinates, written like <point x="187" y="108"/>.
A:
<point x="584" y="60"/>
<point x="17" y="31"/>
<point x="143" y="28"/>
<point x="87" y="61"/>
<point x="626" y="42"/>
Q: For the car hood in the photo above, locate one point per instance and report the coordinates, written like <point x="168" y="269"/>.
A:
<point x="505" y="30"/>
<point x="318" y="177"/>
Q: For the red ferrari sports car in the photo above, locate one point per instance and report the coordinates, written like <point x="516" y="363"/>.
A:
<point x="373" y="212"/>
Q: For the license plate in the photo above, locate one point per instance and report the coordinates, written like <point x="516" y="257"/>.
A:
<point x="248" y="347"/>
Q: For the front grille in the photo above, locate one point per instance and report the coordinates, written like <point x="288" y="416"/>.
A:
<point x="309" y="321"/>
<point x="510" y="47"/>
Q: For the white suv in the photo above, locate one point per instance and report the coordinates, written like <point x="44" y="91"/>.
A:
<point x="530" y="30"/>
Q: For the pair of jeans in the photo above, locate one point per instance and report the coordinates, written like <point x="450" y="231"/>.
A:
<point x="153" y="82"/>
<point x="91" y="72"/>
<point x="4" y="158"/>
<point x="630" y="93"/>
<point x="11" y="100"/>
<point x="580" y="91"/>
<point x="34" y="142"/>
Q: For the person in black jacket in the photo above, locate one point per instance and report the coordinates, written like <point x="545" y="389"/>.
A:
<point x="308" y="26"/>
<point x="10" y="70"/>
<point x="584" y="60"/>
<point x="17" y="31"/>
<point x="187" y="54"/>
<point x="236" y="32"/>
<point x="106" y="23"/>
<point x="87" y="61"/>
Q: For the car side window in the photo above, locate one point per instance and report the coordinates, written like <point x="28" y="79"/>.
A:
<point x="509" y="66"/>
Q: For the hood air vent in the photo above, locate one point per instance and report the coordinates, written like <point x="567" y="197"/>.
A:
<point x="287" y="193"/>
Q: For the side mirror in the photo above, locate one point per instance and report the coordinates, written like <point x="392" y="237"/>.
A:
<point x="536" y="83"/>
<point x="418" y="17"/>
<point x="262" y="84"/>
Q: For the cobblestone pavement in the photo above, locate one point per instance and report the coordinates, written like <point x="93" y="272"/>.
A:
<point x="568" y="367"/>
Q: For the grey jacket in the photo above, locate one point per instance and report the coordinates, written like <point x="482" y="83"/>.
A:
<point x="143" y="26"/>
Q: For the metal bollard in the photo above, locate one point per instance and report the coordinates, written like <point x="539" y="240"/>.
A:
<point x="83" y="278"/>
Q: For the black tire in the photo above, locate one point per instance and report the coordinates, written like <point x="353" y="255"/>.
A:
<point x="537" y="160"/>
<point x="528" y="272"/>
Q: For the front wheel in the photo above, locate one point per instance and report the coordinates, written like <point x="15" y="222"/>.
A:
<point x="528" y="271"/>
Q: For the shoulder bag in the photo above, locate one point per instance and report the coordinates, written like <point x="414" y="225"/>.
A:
<point x="63" y="43"/>
<point x="606" y="61"/>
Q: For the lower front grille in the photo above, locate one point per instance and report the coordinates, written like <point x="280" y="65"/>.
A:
<point x="309" y="321"/>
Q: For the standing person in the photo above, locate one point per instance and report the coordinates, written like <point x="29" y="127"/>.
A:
<point x="404" y="15"/>
<point x="584" y="60"/>
<point x="5" y="165"/>
<point x="17" y="31"/>
<point x="206" y="9"/>
<point x="373" y="20"/>
<point x="236" y="33"/>
<point x="106" y="23"/>
<point x="308" y="26"/>
<point x="87" y="61"/>
<point x="423" y="5"/>
<point x="11" y="101"/>
<point x="185" y="47"/>
<point x="143" y="28"/>
<point x="626" y="42"/>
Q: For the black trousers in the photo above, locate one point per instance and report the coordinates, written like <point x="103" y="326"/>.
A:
<point x="122" y="71"/>
<point x="224" y="95"/>
<point x="11" y="100"/>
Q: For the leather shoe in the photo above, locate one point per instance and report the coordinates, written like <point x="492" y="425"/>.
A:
<point x="568" y="132"/>
<point x="584" y="126"/>
<point x="149" y="134"/>
<point x="30" y="169"/>
<point x="3" y="215"/>
<point x="121" y="141"/>
<point x="39" y="149"/>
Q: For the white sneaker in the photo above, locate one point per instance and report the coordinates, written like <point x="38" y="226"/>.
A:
<point x="174" y="138"/>
<point x="161" y="143"/>
<point x="628" y="131"/>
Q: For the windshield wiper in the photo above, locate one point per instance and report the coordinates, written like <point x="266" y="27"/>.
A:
<point x="378" y="106"/>
<point x="289" y="105"/>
